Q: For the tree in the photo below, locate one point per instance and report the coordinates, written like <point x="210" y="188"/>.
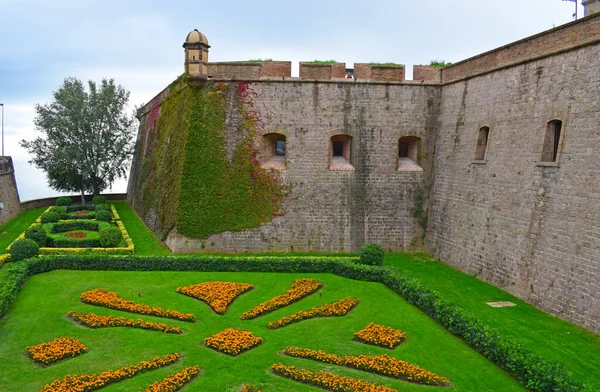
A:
<point x="87" y="138"/>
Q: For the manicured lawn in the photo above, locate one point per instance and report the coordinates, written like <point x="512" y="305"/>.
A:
<point x="548" y="336"/>
<point x="13" y="228"/>
<point x="144" y="240"/>
<point x="38" y="315"/>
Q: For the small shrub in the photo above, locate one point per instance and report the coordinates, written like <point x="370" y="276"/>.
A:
<point x="23" y="249"/>
<point x="49" y="217"/>
<point x="104" y="215"/>
<point x="102" y="207"/>
<point x="61" y="211"/>
<point x="79" y="207"/>
<point x="110" y="237"/>
<point x="371" y="254"/>
<point x="37" y="234"/>
<point x="99" y="200"/>
<point x="64" y="201"/>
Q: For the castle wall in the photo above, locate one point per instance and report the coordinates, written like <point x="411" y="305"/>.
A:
<point x="9" y="196"/>
<point x="528" y="228"/>
<point x="327" y="210"/>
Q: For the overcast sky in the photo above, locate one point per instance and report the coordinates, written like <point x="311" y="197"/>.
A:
<point x="138" y="43"/>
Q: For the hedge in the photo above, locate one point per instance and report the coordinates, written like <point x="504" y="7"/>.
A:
<point x="534" y="372"/>
<point x="81" y="207"/>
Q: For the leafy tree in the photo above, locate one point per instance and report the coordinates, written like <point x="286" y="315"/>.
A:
<point x="87" y="138"/>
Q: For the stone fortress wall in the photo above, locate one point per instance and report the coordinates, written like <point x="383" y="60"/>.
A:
<point x="528" y="226"/>
<point x="9" y="196"/>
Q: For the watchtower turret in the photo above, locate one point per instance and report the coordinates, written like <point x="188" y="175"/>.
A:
<point x="591" y="6"/>
<point x="196" y="54"/>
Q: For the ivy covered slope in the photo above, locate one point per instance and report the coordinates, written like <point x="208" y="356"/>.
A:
<point x="190" y="180"/>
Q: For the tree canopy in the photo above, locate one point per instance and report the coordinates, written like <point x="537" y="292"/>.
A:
<point x="87" y="137"/>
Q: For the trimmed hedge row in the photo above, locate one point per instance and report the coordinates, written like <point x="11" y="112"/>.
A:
<point x="81" y="207"/>
<point x="533" y="372"/>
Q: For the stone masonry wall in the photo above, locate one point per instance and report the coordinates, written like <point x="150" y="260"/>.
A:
<point x="337" y="211"/>
<point x="532" y="230"/>
<point x="9" y="196"/>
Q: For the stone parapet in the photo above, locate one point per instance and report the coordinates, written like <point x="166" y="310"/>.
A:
<point x="316" y="71"/>
<point x="382" y="73"/>
<point x="427" y="73"/>
<point x="250" y="69"/>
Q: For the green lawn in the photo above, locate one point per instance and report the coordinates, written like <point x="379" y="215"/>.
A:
<point x="548" y="336"/>
<point x="144" y="240"/>
<point x="39" y="315"/>
<point x="13" y="228"/>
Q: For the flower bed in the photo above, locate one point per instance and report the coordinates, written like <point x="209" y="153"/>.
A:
<point x="92" y="382"/>
<point x="328" y="381"/>
<point x="233" y="342"/>
<point x="339" y="308"/>
<point x="249" y="388"/>
<point x="58" y="349"/>
<point x="109" y="299"/>
<point x="301" y="288"/>
<point x="97" y="321"/>
<point x="217" y="295"/>
<point x="383" y="365"/>
<point x="175" y="381"/>
<point x="380" y="335"/>
<point x="76" y="234"/>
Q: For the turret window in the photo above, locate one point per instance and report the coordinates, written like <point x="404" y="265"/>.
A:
<point x="339" y="153"/>
<point x="408" y="154"/>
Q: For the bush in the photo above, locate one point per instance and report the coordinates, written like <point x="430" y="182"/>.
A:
<point x="64" y="201"/>
<point x="110" y="237"/>
<point x="37" y="234"/>
<point x="89" y="215"/>
<point x="63" y="227"/>
<point x="102" y="207"/>
<point x="80" y="207"/>
<point x="99" y="200"/>
<point x="49" y="217"/>
<point x="23" y="249"/>
<point x="61" y="211"/>
<point x="104" y="215"/>
<point x="371" y="254"/>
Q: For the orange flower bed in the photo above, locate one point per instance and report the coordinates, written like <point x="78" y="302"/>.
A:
<point x="96" y="321"/>
<point x="60" y="348"/>
<point x="328" y="381"/>
<point x="339" y="308"/>
<point x="380" y="335"/>
<point x="300" y="288"/>
<point x="217" y="295"/>
<point x="249" y="388"/>
<point x="92" y="382"/>
<point x="111" y="300"/>
<point x="233" y="342"/>
<point x="383" y="365"/>
<point x="174" y="382"/>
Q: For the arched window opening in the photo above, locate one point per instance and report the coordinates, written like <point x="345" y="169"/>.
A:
<point x="482" y="142"/>
<point x="552" y="141"/>
<point x="408" y="151"/>
<point x="273" y="151"/>
<point x="339" y="152"/>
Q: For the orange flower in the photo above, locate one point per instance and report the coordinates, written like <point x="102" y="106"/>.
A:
<point x="249" y="388"/>
<point x="60" y="348"/>
<point x="300" y="288"/>
<point x="233" y="342"/>
<point x="380" y="335"/>
<point x="217" y="295"/>
<point x="327" y="380"/>
<point x="111" y="300"/>
<point x="339" y="308"/>
<point x="174" y="382"/>
<point x="96" y="321"/>
<point x="383" y="365"/>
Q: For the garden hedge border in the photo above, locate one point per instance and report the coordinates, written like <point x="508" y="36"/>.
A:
<point x="534" y="372"/>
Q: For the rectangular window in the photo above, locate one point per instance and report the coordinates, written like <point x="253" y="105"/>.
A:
<point x="338" y="149"/>
<point x="551" y="141"/>
<point x="482" y="141"/>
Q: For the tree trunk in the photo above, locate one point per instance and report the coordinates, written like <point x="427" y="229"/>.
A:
<point x="82" y="196"/>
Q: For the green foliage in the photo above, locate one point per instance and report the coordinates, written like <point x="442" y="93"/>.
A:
<point x="322" y="62"/>
<point x="387" y="64"/>
<point x="110" y="237"/>
<point x="81" y="207"/>
<point x="104" y="216"/>
<point x="89" y="215"/>
<point x="37" y="234"/>
<point x="64" y="201"/>
<point x="102" y="207"/>
<point x="63" y="227"/>
<point x="60" y="210"/>
<point x="99" y="200"/>
<point x="87" y="136"/>
<point x="418" y="211"/>
<point x="50" y="216"/>
<point x="259" y="60"/>
<point x="59" y="241"/>
<point x="439" y="63"/>
<point x="371" y="254"/>
<point x="23" y="249"/>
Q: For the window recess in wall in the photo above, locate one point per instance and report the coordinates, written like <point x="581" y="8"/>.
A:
<point x="273" y="151"/>
<point x="408" y="154"/>
<point x="483" y="137"/>
<point x="552" y="143"/>
<point x="339" y="153"/>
